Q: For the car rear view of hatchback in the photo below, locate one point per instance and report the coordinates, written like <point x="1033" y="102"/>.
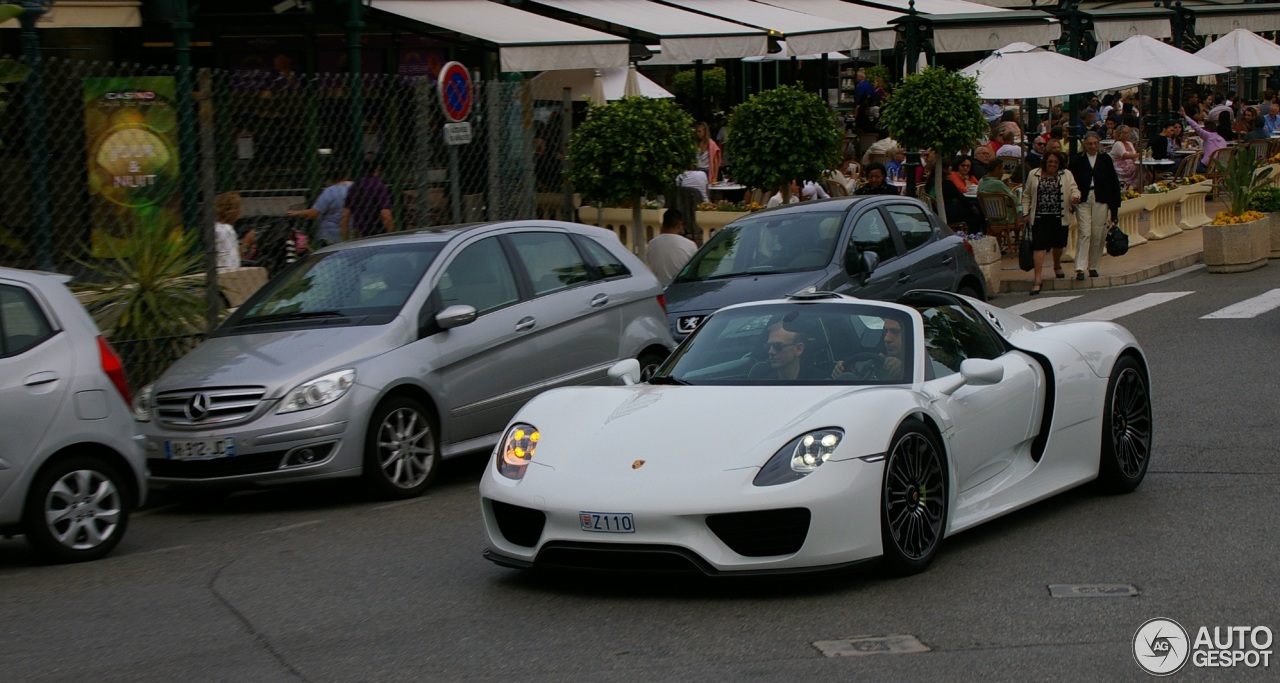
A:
<point x="71" y="469"/>
<point x="379" y="357"/>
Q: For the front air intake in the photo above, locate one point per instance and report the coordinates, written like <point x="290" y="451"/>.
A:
<point x="764" y="533"/>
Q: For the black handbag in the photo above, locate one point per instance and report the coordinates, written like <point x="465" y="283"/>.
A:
<point x="1117" y="242"/>
<point x="1026" y="255"/>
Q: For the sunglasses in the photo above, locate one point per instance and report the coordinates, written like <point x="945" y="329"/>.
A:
<point x="778" y="346"/>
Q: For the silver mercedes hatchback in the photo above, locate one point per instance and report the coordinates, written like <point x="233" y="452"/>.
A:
<point x="381" y="356"/>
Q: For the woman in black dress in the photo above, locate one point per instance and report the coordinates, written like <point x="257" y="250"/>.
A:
<point x="1048" y="202"/>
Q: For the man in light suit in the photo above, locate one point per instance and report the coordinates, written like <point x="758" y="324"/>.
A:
<point x="1099" y="185"/>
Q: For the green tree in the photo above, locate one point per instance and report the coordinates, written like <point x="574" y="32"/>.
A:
<point x="782" y="135"/>
<point x="685" y="84"/>
<point x="935" y="109"/>
<point x="630" y="147"/>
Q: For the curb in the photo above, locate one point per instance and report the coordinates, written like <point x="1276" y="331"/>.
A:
<point x="1070" y="283"/>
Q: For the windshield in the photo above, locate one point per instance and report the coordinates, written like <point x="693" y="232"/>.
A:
<point x="365" y="281"/>
<point x="791" y="343"/>
<point x="773" y="242"/>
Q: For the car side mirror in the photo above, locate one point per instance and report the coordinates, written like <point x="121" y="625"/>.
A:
<point x="859" y="265"/>
<point x="974" y="371"/>
<point x="456" y="315"/>
<point x="625" y="372"/>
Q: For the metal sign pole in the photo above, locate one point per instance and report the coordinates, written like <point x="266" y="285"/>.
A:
<point x="455" y="199"/>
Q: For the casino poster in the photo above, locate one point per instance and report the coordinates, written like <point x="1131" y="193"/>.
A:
<point x="131" y="131"/>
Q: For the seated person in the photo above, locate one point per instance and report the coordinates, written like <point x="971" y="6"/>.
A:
<point x="776" y="199"/>
<point x="787" y="360"/>
<point x="992" y="182"/>
<point x="693" y="178"/>
<point x="876" y="183"/>
<point x="888" y="365"/>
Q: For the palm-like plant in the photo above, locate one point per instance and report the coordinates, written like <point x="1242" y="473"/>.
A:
<point x="1240" y="175"/>
<point x="150" y="297"/>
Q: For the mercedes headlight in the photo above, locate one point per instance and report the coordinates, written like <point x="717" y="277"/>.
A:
<point x="799" y="457"/>
<point x="142" y="403"/>
<point x="318" y="392"/>
<point x="516" y="451"/>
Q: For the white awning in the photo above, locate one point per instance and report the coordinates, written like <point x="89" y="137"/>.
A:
<point x="684" y="35"/>
<point x="525" y="41"/>
<point x="88" y="14"/>
<point x="862" y="16"/>
<point x="1117" y="30"/>
<point x="805" y="33"/>
<point x="993" y="37"/>
<point x="1220" y="25"/>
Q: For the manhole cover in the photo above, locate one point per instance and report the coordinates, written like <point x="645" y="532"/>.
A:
<point x="1092" y="590"/>
<point x="859" y="646"/>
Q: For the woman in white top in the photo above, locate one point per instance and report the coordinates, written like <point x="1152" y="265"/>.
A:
<point x="226" y="208"/>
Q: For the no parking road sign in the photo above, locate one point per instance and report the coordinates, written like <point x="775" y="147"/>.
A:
<point x="455" y="91"/>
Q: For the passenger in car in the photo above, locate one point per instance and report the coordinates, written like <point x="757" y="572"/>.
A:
<point x="787" y="360"/>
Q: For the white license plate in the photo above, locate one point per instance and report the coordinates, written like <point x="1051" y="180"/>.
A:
<point x="203" y="449"/>
<point x="608" y="522"/>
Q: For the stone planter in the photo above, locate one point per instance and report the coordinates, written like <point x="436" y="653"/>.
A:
<point x="986" y="251"/>
<point x="1163" y="207"/>
<point x="1237" y="248"/>
<point x="1130" y="212"/>
<point x="1193" y="215"/>
<point x="1275" y="233"/>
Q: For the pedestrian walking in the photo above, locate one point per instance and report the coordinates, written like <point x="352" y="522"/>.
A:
<point x="327" y="210"/>
<point x="367" y="209"/>
<point x="1099" y="185"/>
<point x="1048" y="201"/>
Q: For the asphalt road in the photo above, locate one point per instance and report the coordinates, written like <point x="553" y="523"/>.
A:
<point x="320" y="584"/>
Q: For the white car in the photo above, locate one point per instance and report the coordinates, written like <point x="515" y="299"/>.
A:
<point x="71" y="468"/>
<point x="816" y="432"/>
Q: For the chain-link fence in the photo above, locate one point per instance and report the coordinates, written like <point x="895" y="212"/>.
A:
<point x="95" y="158"/>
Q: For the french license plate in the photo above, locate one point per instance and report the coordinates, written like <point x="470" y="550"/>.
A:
<point x="203" y="449"/>
<point x="608" y="522"/>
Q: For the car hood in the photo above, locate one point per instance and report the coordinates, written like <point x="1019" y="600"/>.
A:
<point x="279" y="359"/>
<point x="706" y="296"/>
<point x="681" y="431"/>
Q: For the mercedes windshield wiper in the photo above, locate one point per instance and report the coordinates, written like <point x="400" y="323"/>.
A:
<point x="288" y="317"/>
<point x="667" y="379"/>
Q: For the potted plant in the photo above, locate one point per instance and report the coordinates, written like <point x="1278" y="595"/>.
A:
<point x="782" y="135"/>
<point x="1238" y="239"/>
<point x="1267" y="200"/>
<point x="149" y="298"/>
<point x="628" y="148"/>
<point x="953" y="120"/>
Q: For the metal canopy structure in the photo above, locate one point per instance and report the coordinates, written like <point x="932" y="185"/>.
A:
<point x="683" y="35"/>
<point x="807" y="34"/>
<point x="525" y="41"/>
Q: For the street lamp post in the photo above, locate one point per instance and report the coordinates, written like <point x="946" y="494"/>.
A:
<point x="912" y="27"/>
<point x="32" y="10"/>
<point x="1076" y="20"/>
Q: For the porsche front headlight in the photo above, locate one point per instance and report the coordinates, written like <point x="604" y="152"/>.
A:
<point x="516" y="450"/>
<point x="318" y="392"/>
<point x="799" y="457"/>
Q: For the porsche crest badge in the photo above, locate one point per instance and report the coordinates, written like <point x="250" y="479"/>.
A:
<point x="637" y="464"/>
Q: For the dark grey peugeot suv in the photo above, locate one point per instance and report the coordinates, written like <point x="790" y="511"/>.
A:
<point x="874" y="247"/>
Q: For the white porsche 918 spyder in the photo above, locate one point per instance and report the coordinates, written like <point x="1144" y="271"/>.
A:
<point x="819" y="431"/>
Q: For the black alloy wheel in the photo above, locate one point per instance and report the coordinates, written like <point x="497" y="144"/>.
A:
<point x="914" y="499"/>
<point x="1126" y="429"/>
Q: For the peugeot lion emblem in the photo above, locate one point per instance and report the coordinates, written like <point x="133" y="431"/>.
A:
<point x="198" y="408"/>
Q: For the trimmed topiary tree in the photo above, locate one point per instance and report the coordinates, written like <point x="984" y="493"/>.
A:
<point x="937" y="109"/>
<point x="782" y="135"/>
<point x="630" y="147"/>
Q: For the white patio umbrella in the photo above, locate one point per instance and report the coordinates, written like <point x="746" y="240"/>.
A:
<point x="549" y="85"/>
<point x="785" y="55"/>
<point x="632" y="86"/>
<point x="597" y="88"/>
<point x="1022" y="71"/>
<point x="1242" y="48"/>
<point x="1145" y="57"/>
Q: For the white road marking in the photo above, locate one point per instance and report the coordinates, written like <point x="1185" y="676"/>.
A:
<point x="401" y="503"/>
<point x="1249" y="308"/>
<point x="292" y="527"/>
<point x="1039" y="304"/>
<point x="152" y="511"/>
<point x="1167" y="276"/>
<point x="163" y="550"/>
<point x="1131" y="306"/>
